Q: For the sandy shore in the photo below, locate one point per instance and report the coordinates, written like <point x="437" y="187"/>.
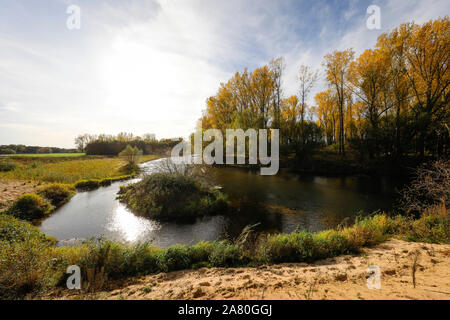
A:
<point x="10" y="190"/>
<point x="344" y="277"/>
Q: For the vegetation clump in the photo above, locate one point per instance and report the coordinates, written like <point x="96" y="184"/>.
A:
<point x="7" y="166"/>
<point x="25" y="261"/>
<point x="57" y="193"/>
<point x="86" y="185"/>
<point x="172" y="195"/>
<point x="30" y="206"/>
<point x="131" y="154"/>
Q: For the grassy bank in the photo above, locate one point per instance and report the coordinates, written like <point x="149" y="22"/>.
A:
<point x="31" y="263"/>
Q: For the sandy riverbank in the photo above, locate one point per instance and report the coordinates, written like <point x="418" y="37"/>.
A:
<point x="10" y="190"/>
<point x="344" y="277"/>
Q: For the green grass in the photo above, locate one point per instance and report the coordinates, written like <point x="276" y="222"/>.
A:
<point x="31" y="263"/>
<point x="43" y="155"/>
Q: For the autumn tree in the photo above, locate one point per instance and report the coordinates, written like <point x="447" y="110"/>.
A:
<point x="327" y="114"/>
<point x="277" y="67"/>
<point x="427" y="62"/>
<point x="336" y="68"/>
<point x="307" y="79"/>
<point x="368" y="79"/>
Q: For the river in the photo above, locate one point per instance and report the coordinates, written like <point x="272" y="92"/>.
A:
<point x="283" y="202"/>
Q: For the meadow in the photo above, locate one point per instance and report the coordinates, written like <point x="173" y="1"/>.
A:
<point x="66" y="169"/>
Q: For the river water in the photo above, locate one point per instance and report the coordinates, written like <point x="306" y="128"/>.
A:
<point x="283" y="202"/>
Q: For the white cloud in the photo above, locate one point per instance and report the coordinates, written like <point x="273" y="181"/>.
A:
<point x="148" y="66"/>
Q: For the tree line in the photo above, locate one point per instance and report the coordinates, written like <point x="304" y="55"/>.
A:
<point x="392" y="101"/>
<point x="23" y="149"/>
<point x="106" y="144"/>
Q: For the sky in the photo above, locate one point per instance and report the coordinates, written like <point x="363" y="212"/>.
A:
<point x="148" y="66"/>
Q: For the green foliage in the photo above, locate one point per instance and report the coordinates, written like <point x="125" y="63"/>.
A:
<point x="225" y="254"/>
<point x="130" y="169"/>
<point x="174" y="258"/>
<point x="13" y="230"/>
<point x="131" y="154"/>
<point x="90" y="184"/>
<point x="7" y="166"/>
<point x="30" y="206"/>
<point x="109" y="145"/>
<point x="105" y="182"/>
<point x="25" y="264"/>
<point x="164" y="195"/>
<point x="57" y="193"/>
<point x="433" y="227"/>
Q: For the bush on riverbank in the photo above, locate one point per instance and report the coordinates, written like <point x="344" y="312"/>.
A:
<point x="57" y="193"/>
<point x="30" y="206"/>
<point x="25" y="264"/>
<point x="86" y="185"/>
<point x="164" y="196"/>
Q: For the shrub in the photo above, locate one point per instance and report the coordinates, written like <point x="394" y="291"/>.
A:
<point x="294" y="247"/>
<point x="131" y="154"/>
<point x="432" y="227"/>
<point x="174" y="258"/>
<point x="7" y="166"/>
<point x="130" y="169"/>
<point x="30" y="206"/>
<point x="57" y="193"/>
<point x="140" y="259"/>
<point x="102" y="261"/>
<point x="430" y="187"/>
<point x="25" y="265"/>
<point x="90" y="184"/>
<point x="200" y="252"/>
<point x="13" y="230"/>
<point x="225" y="254"/>
<point x="164" y="195"/>
<point x="106" y="182"/>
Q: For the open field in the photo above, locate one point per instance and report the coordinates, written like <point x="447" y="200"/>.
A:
<point x="67" y="171"/>
<point x="43" y="155"/>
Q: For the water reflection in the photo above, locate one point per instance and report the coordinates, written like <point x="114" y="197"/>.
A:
<point x="129" y="226"/>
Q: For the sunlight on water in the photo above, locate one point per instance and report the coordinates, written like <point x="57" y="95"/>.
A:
<point x="129" y="225"/>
